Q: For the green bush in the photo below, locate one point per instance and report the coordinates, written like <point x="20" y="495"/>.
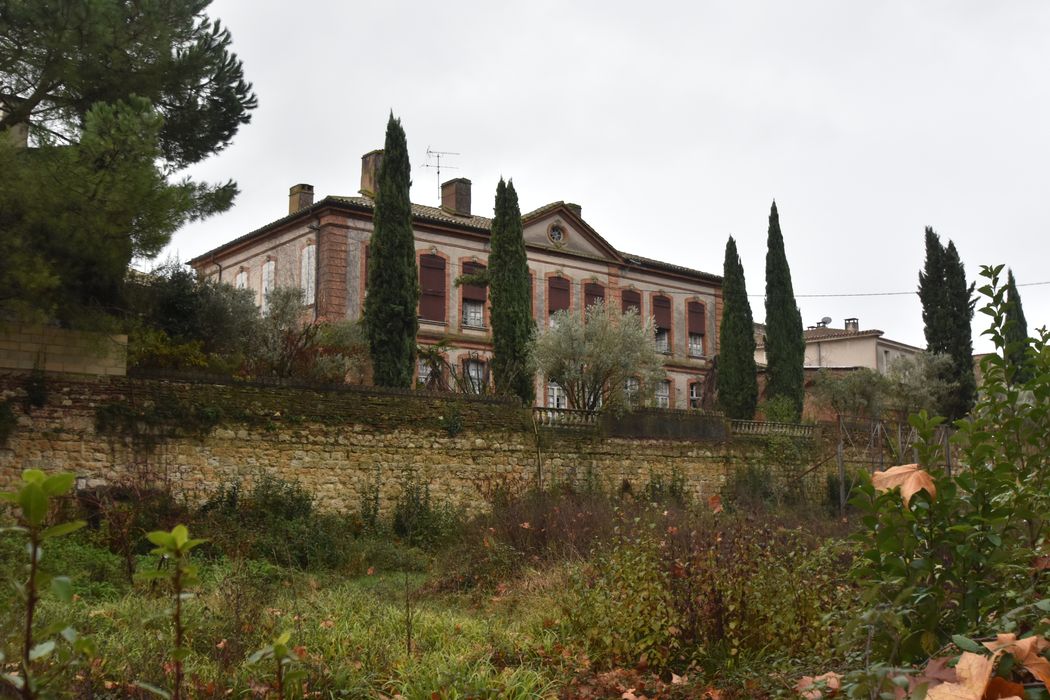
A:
<point x="275" y="520"/>
<point x="419" y="522"/>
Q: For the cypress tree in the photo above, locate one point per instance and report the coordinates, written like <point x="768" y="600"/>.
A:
<point x="1016" y="333"/>
<point x="960" y="301"/>
<point x="512" y="324"/>
<point x="737" y="371"/>
<point x="391" y="319"/>
<point x="785" y="344"/>
<point x="947" y="309"/>
<point x="933" y="296"/>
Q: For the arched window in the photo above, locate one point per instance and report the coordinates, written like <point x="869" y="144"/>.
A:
<point x="308" y="273"/>
<point x="697" y="319"/>
<point x="474" y="297"/>
<point x="631" y="299"/>
<point x="593" y="293"/>
<point x="559" y="296"/>
<point x="432" y="288"/>
<point x="662" y="323"/>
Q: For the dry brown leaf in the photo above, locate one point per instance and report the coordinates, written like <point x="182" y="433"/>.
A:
<point x="974" y="672"/>
<point x="909" y="477"/>
<point x="939" y="670"/>
<point x="1002" y="689"/>
<point x="1027" y="652"/>
<point x="808" y="688"/>
<point x="715" y="503"/>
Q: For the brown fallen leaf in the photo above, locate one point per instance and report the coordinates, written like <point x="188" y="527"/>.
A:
<point x="1027" y="652"/>
<point x="909" y="477"/>
<point x="814" y="687"/>
<point x="974" y="672"/>
<point x="1002" y="689"/>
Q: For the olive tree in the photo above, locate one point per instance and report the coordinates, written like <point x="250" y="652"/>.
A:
<point x="591" y="358"/>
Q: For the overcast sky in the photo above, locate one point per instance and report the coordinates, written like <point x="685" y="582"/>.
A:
<point x="675" y="125"/>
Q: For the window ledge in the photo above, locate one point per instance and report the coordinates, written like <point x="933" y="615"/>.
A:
<point x="429" y="322"/>
<point x="469" y="327"/>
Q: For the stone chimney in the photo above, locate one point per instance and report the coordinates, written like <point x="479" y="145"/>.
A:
<point x="853" y="325"/>
<point x="370" y="163"/>
<point x="300" y="197"/>
<point x="575" y="209"/>
<point x="455" y="196"/>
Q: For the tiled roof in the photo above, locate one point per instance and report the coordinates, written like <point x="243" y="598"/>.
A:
<point x="423" y="212"/>
<point x="835" y="333"/>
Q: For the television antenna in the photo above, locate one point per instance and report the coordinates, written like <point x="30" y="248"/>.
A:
<point x="434" y="161"/>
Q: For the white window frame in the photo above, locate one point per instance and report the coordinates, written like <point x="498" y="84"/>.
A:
<point x="269" y="269"/>
<point x="662" y="395"/>
<point x="696" y="345"/>
<point x="423" y="370"/>
<point x="556" y="396"/>
<point x="473" y="314"/>
<point x="475" y="375"/>
<point x="308" y="273"/>
<point x="696" y="395"/>
<point x="662" y="337"/>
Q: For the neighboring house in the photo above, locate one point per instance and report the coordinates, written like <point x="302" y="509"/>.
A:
<point x="843" y="348"/>
<point x="323" y="248"/>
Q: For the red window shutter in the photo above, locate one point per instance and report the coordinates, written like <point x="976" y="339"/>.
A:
<point x="593" y="293"/>
<point x="557" y="294"/>
<point x="367" y="250"/>
<point x="432" y="288"/>
<point x="470" y="291"/>
<point x="631" y="300"/>
<point x="662" y="312"/>
<point x="697" y="318"/>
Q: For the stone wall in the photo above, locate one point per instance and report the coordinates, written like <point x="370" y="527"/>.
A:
<point x="60" y="350"/>
<point x="341" y="443"/>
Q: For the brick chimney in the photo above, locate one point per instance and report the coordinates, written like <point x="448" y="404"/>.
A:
<point x="455" y="196"/>
<point x="370" y="163"/>
<point x="575" y="209"/>
<point x="300" y="197"/>
<point x="853" y="325"/>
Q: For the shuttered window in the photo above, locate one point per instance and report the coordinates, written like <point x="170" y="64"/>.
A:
<point x="558" y="298"/>
<point x="268" y="269"/>
<point x="662" y="312"/>
<point x="697" y="318"/>
<point x="593" y="293"/>
<point x="471" y="291"/>
<point x="307" y="273"/>
<point x="432" y="288"/>
<point x="631" y="300"/>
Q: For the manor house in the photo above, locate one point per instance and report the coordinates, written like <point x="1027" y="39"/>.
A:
<point x="322" y="247"/>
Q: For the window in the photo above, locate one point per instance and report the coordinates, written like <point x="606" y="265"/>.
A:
<point x="662" y="396"/>
<point x="432" y="288"/>
<point x="662" y="322"/>
<point x="631" y="387"/>
<point x="267" y="283"/>
<point x="307" y="273"/>
<point x="558" y="296"/>
<point x="475" y="374"/>
<point x="556" y="396"/>
<point x="473" y="314"/>
<point x="241" y="280"/>
<point x="556" y="233"/>
<point x="593" y="293"/>
<point x="423" y="373"/>
<point x="663" y="341"/>
<point x="474" y="297"/>
<point x="696" y="396"/>
<point x="696" y="345"/>
<point x="631" y="299"/>
<point x="697" y="322"/>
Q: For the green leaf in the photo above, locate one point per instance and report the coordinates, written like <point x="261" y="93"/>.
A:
<point x="284" y="638"/>
<point x="161" y="538"/>
<point x="966" y="644"/>
<point x="58" y="484"/>
<point x="180" y="535"/>
<point x="62" y="587"/>
<point x="34" y="503"/>
<point x="260" y="654"/>
<point x="33" y="476"/>
<point x="41" y="650"/>
<point x="14" y="680"/>
<point x="63" y="529"/>
<point x="153" y="689"/>
<point x="180" y="654"/>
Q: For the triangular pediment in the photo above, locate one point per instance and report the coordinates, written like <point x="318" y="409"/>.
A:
<point x="558" y="226"/>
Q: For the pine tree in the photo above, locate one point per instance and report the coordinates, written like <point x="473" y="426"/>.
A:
<point x="1016" y="333"/>
<point x="512" y="324"/>
<point x="737" y="372"/>
<point x="785" y="344"/>
<point x="391" y="319"/>
<point x="947" y="309"/>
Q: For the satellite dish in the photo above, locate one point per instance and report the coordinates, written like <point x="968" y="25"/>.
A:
<point x="826" y="320"/>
